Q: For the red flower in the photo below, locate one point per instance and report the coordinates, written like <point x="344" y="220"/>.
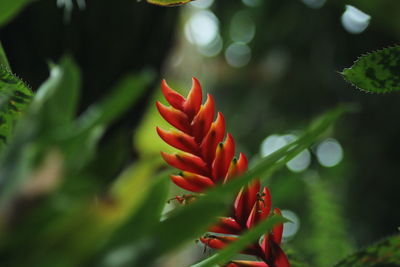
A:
<point x="248" y="211"/>
<point x="206" y="159"/>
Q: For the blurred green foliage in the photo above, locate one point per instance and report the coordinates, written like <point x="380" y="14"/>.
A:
<point x="384" y="253"/>
<point x="10" y="8"/>
<point x="329" y="239"/>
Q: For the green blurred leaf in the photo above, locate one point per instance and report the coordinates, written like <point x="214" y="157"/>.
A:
<point x="62" y="92"/>
<point x="252" y="235"/>
<point x="72" y="223"/>
<point x="329" y="239"/>
<point x="49" y="122"/>
<point x="169" y="2"/>
<point x="190" y="222"/>
<point x="146" y="140"/>
<point x="52" y="106"/>
<point x="80" y="138"/>
<point x="14" y="99"/>
<point x="146" y="218"/>
<point x="10" y="8"/>
<point x="80" y="229"/>
<point x="376" y="72"/>
<point x="296" y="258"/>
<point x="385" y="252"/>
<point x="122" y="96"/>
<point x="3" y="58"/>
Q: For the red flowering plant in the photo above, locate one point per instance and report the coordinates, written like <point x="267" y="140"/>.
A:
<point x="207" y="159"/>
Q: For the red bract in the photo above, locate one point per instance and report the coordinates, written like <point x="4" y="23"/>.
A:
<point x="248" y="211"/>
<point x="207" y="159"/>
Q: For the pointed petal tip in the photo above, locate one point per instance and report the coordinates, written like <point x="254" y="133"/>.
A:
<point x="195" y="80"/>
<point x="174" y="98"/>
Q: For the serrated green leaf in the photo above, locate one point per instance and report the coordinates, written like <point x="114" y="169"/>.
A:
<point x="14" y="99"/>
<point x="385" y="252"/>
<point x="169" y="2"/>
<point x="376" y="72"/>
<point x="193" y="220"/>
<point x="10" y="8"/>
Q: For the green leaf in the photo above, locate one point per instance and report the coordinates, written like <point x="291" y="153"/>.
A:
<point x="44" y="127"/>
<point x="10" y="8"/>
<point x="90" y="125"/>
<point x="53" y="106"/>
<point x="3" y="59"/>
<point x="122" y="96"/>
<point x="376" y="72"/>
<point x="329" y="239"/>
<point x="60" y="93"/>
<point x="193" y="220"/>
<point x="146" y="218"/>
<point x="146" y="140"/>
<point x="252" y="235"/>
<point x="70" y="222"/>
<point x="385" y="252"/>
<point x="14" y="99"/>
<point x="169" y="2"/>
<point x="82" y="228"/>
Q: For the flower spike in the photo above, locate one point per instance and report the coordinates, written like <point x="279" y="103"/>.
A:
<point x="207" y="158"/>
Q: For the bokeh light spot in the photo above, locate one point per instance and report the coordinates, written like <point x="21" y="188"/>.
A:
<point x="274" y="142"/>
<point x="290" y="228"/>
<point x="314" y="3"/>
<point x="300" y="162"/>
<point x="238" y="55"/>
<point x="202" y="28"/>
<point x="329" y="153"/>
<point x="242" y="28"/>
<point x="212" y="49"/>
<point x="354" y="20"/>
<point x="252" y="3"/>
<point x="203" y="4"/>
<point x="271" y="144"/>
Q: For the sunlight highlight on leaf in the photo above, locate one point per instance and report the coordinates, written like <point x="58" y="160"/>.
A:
<point x="168" y="2"/>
